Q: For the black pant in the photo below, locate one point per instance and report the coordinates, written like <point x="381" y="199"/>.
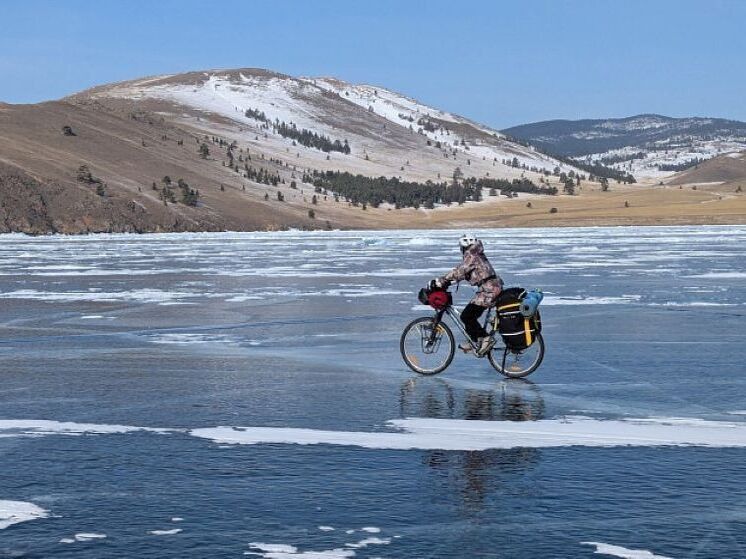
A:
<point x="470" y="317"/>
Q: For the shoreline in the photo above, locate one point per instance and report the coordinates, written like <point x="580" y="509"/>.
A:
<point x="371" y="230"/>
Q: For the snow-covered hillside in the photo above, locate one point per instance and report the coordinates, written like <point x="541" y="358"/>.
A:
<point x="665" y="159"/>
<point x="387" y="132"/>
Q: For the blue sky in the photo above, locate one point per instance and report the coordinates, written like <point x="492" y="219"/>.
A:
<point x="501" y="63"/>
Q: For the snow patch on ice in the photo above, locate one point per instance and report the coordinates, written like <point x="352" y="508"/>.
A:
<point x="424" y="241"/>
<point x="690" y="304"/>
<point x="15" y="512"/>
<point x="137" y="295"/>
<point x="618" y="551"/>
<point x="42" y="427"/>
<point x="88" y="536"/>
<point x="369" y="541"/>
<point x="284" y="551"/>
<point x="720" y="275"/>
<point x="624" y="299"/>
<point x="452" y="434"/>
<point x="184" y="338"/>
<point x="165" y="532"/>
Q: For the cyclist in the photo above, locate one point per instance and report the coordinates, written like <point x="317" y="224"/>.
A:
<point x="478" y="271"/>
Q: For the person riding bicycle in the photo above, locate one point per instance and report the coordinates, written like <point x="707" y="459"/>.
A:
<point x="478" y="271"/>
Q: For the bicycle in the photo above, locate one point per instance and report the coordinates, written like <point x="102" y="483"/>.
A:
<point x="424" y="338"/>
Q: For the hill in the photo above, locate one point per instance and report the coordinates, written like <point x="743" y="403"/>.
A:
<point x="728" y="169"/>
<point x="246" y="140"/>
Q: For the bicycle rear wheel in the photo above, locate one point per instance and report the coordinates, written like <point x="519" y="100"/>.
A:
<point x="424" y="353"/>
<point x="517" y="363"/>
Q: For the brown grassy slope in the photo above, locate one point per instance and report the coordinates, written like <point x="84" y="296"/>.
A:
<point x="128" y="154"/>
<point x="726" y="168"/>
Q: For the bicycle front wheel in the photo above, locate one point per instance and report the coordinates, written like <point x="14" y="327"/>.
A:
<point x="517" y="363"/>
<point x="423" y="352"/>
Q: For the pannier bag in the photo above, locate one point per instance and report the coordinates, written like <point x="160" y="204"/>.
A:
<point x="517" y="331"/>
<point x="438" y="299"/>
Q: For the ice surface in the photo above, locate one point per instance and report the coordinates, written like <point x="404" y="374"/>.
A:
<point x="618" y="551"/>
<point x="328" y="366"/>
<point x="15" y="512"/>
<point x="452" y="434"/>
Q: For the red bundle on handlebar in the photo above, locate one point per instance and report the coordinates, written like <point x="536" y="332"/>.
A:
<point x="438" y="299"/>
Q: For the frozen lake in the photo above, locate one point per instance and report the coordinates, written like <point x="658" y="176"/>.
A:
<point x="231" y="395"/>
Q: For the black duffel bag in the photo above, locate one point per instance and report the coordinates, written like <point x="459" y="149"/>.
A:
<point x="517" y="331"/>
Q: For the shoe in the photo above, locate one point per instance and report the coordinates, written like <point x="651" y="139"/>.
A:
<point x="485" y="344"/>
<point x="465" y="347"/>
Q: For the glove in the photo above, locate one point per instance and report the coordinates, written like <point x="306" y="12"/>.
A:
<point x="437" y="283"/>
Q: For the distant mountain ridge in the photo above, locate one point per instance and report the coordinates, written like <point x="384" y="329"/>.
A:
<point x="576" y="138"/>
<point x="646" y="144"/>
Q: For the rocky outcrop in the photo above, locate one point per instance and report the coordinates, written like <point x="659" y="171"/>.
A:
<point x="36" y="207"/>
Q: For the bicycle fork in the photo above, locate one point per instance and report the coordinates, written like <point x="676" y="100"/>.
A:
<point x="434" y="332"/>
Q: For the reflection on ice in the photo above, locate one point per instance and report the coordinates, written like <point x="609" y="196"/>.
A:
<point x="510" y="400"/>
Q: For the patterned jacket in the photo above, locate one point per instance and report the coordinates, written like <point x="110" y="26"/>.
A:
<point x="478" y="271"/>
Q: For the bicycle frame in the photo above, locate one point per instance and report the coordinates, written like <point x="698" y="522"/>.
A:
<point x="455" y="315"/>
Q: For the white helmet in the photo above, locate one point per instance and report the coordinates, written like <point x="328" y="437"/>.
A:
<point x="466" y="240"/>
